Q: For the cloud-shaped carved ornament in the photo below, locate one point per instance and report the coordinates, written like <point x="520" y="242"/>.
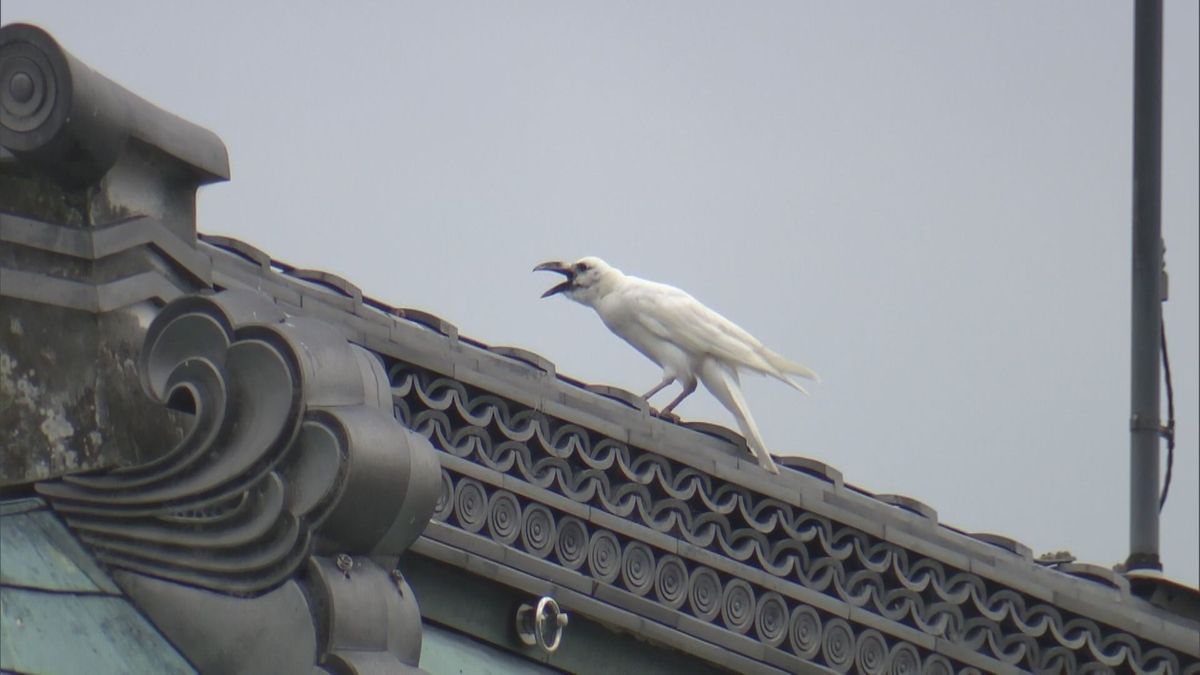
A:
<point x="292" y="450"/>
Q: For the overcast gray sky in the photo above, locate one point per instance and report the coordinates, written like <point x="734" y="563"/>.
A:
<point x="926" y="202"/>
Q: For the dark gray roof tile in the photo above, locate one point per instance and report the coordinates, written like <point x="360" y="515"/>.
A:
<point x="618" y="394"/>
<point x="812" y="467"/>
<point x="345" y="289"/>
<point x="536" y="361"/>
<point x="643" y="486"/>
<point x="249" y="253"/>
<point x="909" y="504"/>
<point x="430" y="321"/>
<point x="1007" y="543"/>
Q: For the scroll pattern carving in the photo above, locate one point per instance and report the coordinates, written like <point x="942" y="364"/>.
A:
<point x="289" y="435"/>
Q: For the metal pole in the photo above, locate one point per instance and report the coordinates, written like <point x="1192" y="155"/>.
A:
<point x="1144" y="423"/>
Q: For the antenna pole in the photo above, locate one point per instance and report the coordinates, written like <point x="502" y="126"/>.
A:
<point x="1145" y="426"/>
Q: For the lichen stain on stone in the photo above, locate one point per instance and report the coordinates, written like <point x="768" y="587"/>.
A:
<point x="19" y="393"/>
<point x="16" y="387"/>
<point x="40" y="197"/>
<point x="71" y="397"/>
<point x="122" y="397"/>
<point x="55" y="427"/>
<point x="31" y="405"/>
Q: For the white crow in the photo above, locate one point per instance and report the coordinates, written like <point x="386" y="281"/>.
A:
<point x="687" y="340"/>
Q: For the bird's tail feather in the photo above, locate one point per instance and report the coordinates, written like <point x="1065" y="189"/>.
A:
<point x="722" y="382"/>
<point x="794" y="384"/>
<point x="789" y="366"/>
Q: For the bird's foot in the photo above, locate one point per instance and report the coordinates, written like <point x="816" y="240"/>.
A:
<point x="665" y="415"/>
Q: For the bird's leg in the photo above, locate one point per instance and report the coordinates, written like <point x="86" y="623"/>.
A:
<point x="667" y="379"/>
<point x="665" y="413"/>
<point x="688" y="388"/>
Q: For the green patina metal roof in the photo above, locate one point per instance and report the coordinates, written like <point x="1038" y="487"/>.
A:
<point x="446" y="652"/>
<point x="60" y="613"/>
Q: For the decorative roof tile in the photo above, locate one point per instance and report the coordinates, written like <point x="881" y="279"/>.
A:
<point x="680" y="529"/>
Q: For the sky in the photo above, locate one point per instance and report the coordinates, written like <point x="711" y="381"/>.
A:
<point x="926" y="202"/>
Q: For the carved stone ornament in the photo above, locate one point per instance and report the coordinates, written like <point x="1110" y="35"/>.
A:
<point x="293" y="457"/>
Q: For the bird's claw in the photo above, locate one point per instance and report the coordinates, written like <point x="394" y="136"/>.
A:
<point x="665" y="415"/>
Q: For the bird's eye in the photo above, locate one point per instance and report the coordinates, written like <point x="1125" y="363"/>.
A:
<point x="581" y="267"/>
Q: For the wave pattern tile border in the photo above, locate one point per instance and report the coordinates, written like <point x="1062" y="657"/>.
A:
<point x="786" y="578"/>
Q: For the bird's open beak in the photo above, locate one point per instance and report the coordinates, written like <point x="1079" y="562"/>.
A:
<point x="560" y="268"/>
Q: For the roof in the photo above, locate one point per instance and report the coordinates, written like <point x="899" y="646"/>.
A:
<point x="666" y="530"/>
<point x="79" y="127"/>
<point x="671" y="530"/>
<point x="48" y="582"/>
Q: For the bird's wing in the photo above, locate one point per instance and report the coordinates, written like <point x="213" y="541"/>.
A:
<point x="674" y="316"/>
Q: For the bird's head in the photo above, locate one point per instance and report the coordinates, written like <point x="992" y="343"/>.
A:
<point x="587" y="279"/>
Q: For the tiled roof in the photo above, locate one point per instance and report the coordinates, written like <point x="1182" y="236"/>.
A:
<point x="672" y="531"/>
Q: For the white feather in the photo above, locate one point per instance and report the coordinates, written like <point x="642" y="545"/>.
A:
<point x="686" y="339"/>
